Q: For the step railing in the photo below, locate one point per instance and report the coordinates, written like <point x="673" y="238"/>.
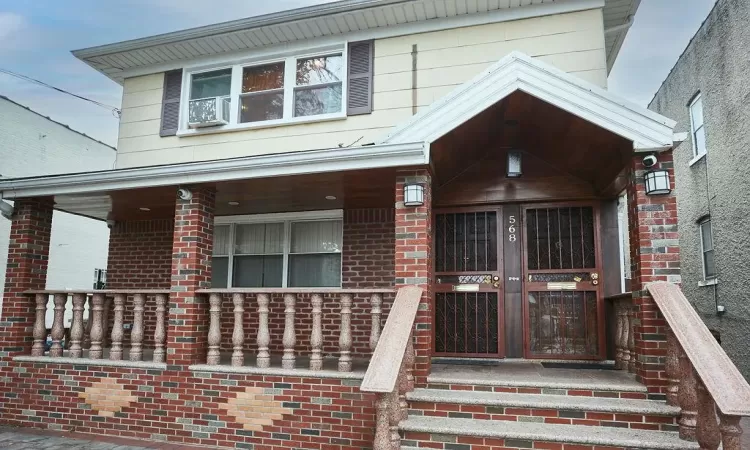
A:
<point x="703" y="381"/>
<point x="89" y="338"/>
<point x="390" y="373"/>
<point x="262" y="296"/>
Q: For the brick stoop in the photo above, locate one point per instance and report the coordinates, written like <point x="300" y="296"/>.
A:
<point x="513" y="414"/>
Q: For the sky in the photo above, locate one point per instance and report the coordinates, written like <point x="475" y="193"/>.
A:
<point x="36" y="37"/>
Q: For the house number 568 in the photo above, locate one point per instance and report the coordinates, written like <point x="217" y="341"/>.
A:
<point x="512" y="229"/>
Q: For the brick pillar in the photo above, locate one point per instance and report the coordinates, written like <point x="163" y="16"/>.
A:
<point x="28" y="256"/>
<point x="191" y="270"/>
<point x="655" y="256"/>
<point x="413" y="259"/>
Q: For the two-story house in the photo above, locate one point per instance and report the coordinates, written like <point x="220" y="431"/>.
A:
<point x="375" y="224"/>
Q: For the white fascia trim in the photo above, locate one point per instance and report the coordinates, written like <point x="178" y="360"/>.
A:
<point x="297" y="163"/>
<point x="518" y="71"/>
<point x="466" y="20"/>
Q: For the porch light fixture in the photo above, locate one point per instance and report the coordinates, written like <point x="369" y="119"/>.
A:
<point x="657" y="182"/>
<point x="233" y="203"/>
<point x="330" y="197"/>
<point x="514" y="164"/>
<point x="413" y="195"/>
<point x="144" y="209"/>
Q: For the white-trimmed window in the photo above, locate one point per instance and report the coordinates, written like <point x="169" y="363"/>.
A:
<point x="278" y="250"/>
<point x="697" y="126"/>
<point x="280" y="91"/>
<point x="707" y="249"/>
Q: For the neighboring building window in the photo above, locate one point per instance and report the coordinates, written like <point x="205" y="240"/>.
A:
<point x="697" y="126"/>
<point x="707" y="247"/>
<point x="284" y="91"/>
<point x="288" y="252"/>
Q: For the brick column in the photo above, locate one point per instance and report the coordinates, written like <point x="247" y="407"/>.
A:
<point x="28" y="256"/>
<point x="655" y="256"/>
<point x="413" y="259"/>
<point x="191" y="270"/>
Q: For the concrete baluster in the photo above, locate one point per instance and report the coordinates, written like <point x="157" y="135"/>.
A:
<point x="76" y="326"/>
<point x="688" y="397"/>
<point x="95" y="317"/>
<point x="40" y="328"/>
<point x="115" y="352"/>
<point x="58" y="328"/>
<point x="707" y="429"/>
<point x="620" y="340"/>
<point x="316" y="338"/>
<point x="345" y="336"/>
<point x="214" y="330"/>
<point x="238" y="334"/>
<point x="89" y="322"/>
<point x="631" y="338"/>
<point x="136" y="335"/>
<point x="160" y="334"/>
<point x="290" y="335"/>
<point x="731" y="432"/>
<point x="375" y="314"/>
<point x="672" y="369"/>
<point x="264" y="337"/>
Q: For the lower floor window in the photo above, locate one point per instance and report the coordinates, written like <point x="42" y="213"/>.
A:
<point x="707" y="247"/>
<point x="280" y="253"/>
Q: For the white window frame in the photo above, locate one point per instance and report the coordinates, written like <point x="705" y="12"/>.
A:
<point x="697" y="153"/>
<point x="701" y="224"/>
<point x="290" y="86"/>
<point x="287" y="219"/>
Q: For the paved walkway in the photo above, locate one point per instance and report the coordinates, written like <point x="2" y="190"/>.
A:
<point x="29" y="439"/>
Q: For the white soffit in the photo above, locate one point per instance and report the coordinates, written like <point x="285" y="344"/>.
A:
<point x="347" y="19"/>
<point x="519" y="72"/>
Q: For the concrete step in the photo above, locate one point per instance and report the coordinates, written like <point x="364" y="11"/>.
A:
<point x="465" y="434"/>
<point x="541" y="408"/>
<point x="622" y="386"/>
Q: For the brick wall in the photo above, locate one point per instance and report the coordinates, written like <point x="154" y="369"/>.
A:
<point x="655" y="256"/>
<point x="140" y="254"/>
<point x="229" y="410"/>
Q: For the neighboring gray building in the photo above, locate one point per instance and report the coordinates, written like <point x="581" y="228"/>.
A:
<point x="31" y="145"/>
<point x="708" y="93"/>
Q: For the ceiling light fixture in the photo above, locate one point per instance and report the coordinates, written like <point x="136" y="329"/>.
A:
<point x="233" y="203"/>
<point x="330" y="197"/>
<point x="143" y="208"/>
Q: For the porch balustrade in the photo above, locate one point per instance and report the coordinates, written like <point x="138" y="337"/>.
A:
<point x="390" y="373"/>
<point x="261" y="298"/>
<point x="90" y="337"/>
<point x="702" y="380"/>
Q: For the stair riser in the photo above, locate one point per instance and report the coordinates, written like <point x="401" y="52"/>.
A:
<point x="549" y="391"/>
<point x="450" y="442"/>
<point x="589" y="418"/>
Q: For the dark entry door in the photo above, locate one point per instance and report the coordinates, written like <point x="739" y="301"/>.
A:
<point x="562" y="282"/>
<point x="468" y="284"/>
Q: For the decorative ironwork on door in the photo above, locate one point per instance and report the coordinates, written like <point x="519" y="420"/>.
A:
<point x="466" y="323"/>
<point x="562" y="282"/>
<point x="467" y="284"/>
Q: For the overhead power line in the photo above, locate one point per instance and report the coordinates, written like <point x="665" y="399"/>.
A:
<point x="115" y="111"/>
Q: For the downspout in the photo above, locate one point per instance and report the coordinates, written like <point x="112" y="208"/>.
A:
<point x="622" y="27"/>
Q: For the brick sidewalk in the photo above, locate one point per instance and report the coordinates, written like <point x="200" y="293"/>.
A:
<point x="32" y="439"/>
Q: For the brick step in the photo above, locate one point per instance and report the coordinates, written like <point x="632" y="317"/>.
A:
<point x="541" y="408"/>
<point x="582" y="387"/>
<point x="468" y="434"/>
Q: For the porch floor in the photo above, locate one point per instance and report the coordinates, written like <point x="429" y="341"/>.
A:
<point x="531" y="373"/>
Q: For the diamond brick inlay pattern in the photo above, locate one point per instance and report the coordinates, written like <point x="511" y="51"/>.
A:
<point x="254" y="409"/>
<point x="107" y="397"/>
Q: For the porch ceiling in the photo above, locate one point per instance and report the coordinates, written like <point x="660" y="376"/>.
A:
<point x="352" y="189"/>
<point x="564" y="156"/>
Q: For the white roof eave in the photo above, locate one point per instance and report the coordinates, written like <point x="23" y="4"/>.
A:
<point x="519" y="72"/>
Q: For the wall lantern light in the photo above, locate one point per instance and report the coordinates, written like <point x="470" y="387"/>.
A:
<point x="514" y="164"/>
<point x="413" y="195"/>
<point x="657" y="182"/>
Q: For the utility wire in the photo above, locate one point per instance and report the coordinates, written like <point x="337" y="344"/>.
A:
<point x="115" y="111"/>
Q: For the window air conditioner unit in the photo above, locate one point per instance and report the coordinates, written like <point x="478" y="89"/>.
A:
<point x="208" y="112"/>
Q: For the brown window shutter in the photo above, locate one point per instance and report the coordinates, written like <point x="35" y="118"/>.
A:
<point x="361" y="59"/>
<point x="170" y="106"/>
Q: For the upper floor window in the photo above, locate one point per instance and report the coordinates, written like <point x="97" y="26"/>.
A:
<point x="277" y="251"/>
<point x="697" y="126"/>
<point x="288" y="90"/>
<point x="707" y="248"/>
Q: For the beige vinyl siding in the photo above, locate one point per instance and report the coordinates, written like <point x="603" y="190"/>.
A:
<point x="572" y="42"/>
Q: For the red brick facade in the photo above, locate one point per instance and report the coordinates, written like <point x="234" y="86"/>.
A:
<point x="414" y="262"/>
<point x="28" y="256"/>
<point x="140" y="255"/>
<point x="655" y="256"/>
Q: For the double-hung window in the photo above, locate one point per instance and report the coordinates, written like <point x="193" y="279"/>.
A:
<point x="277" y="252"/>
<point x="707" y="249"/>
<point x="275" y="92"/>
<point x="697" y="127"/>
